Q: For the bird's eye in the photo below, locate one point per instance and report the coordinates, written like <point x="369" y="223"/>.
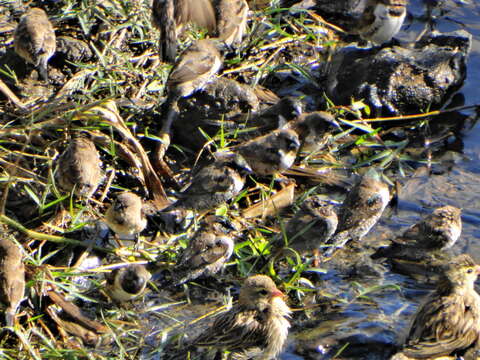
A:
<point x="469" y="271"/>
<point x="263" y="292"/>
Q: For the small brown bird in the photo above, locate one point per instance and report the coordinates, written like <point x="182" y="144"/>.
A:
<point x="437" y="231"/>
<point x="171" y="16"/>
<point x="257" y="325"/>
<point x="12" y="278"/>
<point x="34" y="39"/>
<point x="232" y="18"/>
<point x="126" y="215"/>
<point x="312" y="225"/>
<point x="360" y="211"/>
<point x="448" y="323"/>
<point x="272" y="153"/>
<point x="79" y="167"/>
<point x="382" y="20"/>
<point x="214" y="184"/>
<point x="127" y="282"/>
<point x="207" y="252"/>
<point x="314" y="129"/>
<point x="194" y="69"/>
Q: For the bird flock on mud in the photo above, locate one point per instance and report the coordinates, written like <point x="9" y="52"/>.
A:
<point x="256" y="327"/>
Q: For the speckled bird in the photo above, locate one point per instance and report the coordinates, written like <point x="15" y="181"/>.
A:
<point x="361" y="210"/>
<point x="382" y="20"/>
<point x="311" y="226"/>
<point x="126" y="216"/>
<point x="437" y="231"/>
<point x="448" y="322"/>
<point x="271" y="153"/>
<point x="256" y="327"/>
<point x="314" y="129"/>
<point x="214" y="184"/>
<point x="127" y="283"/>
<point x="34" y="40"/>
<point x="207" y="252"/>
<point x="12" y="278"/>
<point x="79" y="167"/>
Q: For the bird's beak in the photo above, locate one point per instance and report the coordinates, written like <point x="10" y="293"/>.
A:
<point x="478" y="269"/>
<point x="277" y="293"/>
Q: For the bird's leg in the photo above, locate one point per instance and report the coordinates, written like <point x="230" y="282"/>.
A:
<point x="164" y="136"/>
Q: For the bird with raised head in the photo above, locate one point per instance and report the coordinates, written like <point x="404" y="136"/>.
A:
<point x="34" y="39"/>
<point x="448" y="322"/>
<point x="256" y="327"/>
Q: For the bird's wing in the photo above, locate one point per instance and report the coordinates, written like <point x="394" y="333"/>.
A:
<point x="193" y="65"/>
<point x="442" y="326"/>
<point x="209" y="180"/>
<point x="234" y="330"/>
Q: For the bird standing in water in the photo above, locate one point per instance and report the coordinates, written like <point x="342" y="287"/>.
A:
<point x="256" y="327"/>
<point x="448" y="322"/>
<point x="360" y="211"/>
<point x="437" y="231"/>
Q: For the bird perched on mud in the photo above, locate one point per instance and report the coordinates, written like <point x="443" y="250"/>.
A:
<point x="256" y="327"/>
<point x="12" y="278"/>
<point x="127" y="282"/>
<point x="448" y="322"/>
<point x="126" y="215"/>
<point x="271" y="153"/>
<point x="381" y="20"/>
<point x="79" y="167"/>
<point x="214" y="184"/>
<point x="314" y="129"/>
<point x="232" y="18"/>
<point x="311" y="226"/>
<point x="171" y="16"/>
<point x="34" y="40"/>
<point x="437" y="231"/>
<point x="360" y="211"/>
<point x="194" y="69"/>
<point x="207" y="252"/>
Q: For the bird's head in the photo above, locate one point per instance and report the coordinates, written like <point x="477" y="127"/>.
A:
<point x="258" y="292"/>
<point x="461" y="271"/>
